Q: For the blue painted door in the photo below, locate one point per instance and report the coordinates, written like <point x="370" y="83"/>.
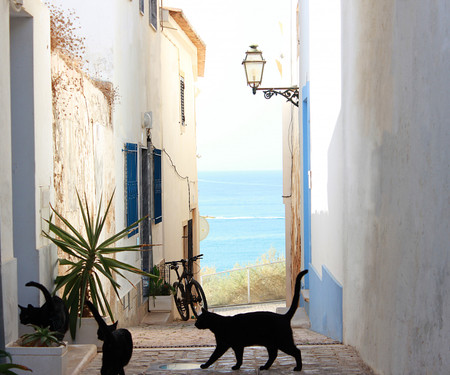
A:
<point x="306" y="179"/>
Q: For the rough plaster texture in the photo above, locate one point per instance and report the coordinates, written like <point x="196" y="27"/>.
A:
<point x="82" y="145"/>
<point x="396" y="59"/>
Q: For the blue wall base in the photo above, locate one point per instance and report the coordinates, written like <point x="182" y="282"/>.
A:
<point x="325" y="303"/>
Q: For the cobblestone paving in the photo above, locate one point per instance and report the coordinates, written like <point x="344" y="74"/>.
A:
<point x="320" y="359"/>
<point x="182" y="348"/>
<point x="184" y="334"/>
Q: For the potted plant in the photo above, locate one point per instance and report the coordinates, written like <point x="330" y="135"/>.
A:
<point x="41" y="351"/>
<point x="88" y="258"/>
<point x="160" y="292"/>
<point x="6" y="368"/>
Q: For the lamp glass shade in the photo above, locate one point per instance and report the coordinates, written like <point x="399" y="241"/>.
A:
<point x="254" y="66"/>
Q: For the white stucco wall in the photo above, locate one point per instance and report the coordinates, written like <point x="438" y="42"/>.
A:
<point x="6" y="244"/>
<point x="26" y="170"/>
<point x="395" y="113"/>
<point x="129" y="52"/>
<point x="123" y="48"/>
<point x="134" y="41"/>
<point x="180" y="202"/>
<point x="325" y="106"/>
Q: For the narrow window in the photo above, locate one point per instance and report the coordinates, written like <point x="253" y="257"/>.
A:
<point x="153" y="13"/>
<point x="141" y="6"/>
<point x="188" y="243"/>
<point x="131" y="185"/>
<point x="183" y="117"/>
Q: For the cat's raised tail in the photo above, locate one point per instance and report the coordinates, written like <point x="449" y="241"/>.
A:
<point x="103" y="327"/>
<point x="44" y="290"/>
<point x="295" y="300"/>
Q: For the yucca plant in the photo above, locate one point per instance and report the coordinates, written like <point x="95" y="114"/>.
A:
<point x="6" y="368"/>
<point x="42" y="337"/>
<point x="89" y="258"/>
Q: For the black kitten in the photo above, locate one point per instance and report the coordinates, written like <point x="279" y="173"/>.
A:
<point x="53" y="313"/>
<point x="256" y="328"/>
<point x="117" y="345"/>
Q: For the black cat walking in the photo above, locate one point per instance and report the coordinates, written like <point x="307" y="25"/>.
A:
<point x="267" y="329"/>
<point x="117" y="345"/>
<point x="53" y="313"/>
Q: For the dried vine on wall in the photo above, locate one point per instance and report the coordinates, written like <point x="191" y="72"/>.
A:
<point x="65" y="41"/>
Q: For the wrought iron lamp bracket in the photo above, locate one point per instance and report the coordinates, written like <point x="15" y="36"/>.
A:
<point x="290" y="93"/>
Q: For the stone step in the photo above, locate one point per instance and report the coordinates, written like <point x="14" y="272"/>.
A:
<point x="79" y="357"/>
<point x="158" y="317"/>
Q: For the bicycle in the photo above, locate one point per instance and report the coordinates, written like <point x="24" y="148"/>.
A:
<point x="187" y="290"/>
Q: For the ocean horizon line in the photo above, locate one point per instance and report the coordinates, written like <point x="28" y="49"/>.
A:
<point x="243" y="217"/>
<point x="238" y="170"/>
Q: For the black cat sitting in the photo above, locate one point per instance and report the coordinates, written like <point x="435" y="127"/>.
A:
<point x="117" y="345"/>
<point x="256" y="328"/>
<point x="53" y="313"/>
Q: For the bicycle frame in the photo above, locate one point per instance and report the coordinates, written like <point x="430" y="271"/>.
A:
<point x="187" y="274"/>
<point x="184" y="285"/>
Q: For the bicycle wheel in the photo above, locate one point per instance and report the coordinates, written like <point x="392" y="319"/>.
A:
<point x="198" y="299"/>
<point x="180" y="301"/>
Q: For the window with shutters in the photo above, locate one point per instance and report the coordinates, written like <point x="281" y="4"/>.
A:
<point x="153" y="13"/>
<point x="183" y="117"/>
<point x="157" y="191"/>
<point x="131" y="185"/>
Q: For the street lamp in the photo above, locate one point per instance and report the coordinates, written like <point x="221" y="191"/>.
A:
<point x="254" y="69"/>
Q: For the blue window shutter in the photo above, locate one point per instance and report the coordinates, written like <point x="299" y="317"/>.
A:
<point x="157" y="185"/>
<point x="132" y="187"/>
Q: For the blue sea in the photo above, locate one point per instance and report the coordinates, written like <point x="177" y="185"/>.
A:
<point x="245" y="213"/>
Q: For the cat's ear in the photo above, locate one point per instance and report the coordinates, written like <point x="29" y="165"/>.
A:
<point x="114" y="325"/>
<point x="22" y="308"/>
<point x="204" y="310"/>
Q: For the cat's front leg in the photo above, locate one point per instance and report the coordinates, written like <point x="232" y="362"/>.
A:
<point x="218" y="352"/>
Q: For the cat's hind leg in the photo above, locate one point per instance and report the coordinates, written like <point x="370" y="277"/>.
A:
<point x="239" y="353"/>
<point x="273" y="353"/>
<point x="218" y="352"/>
<point x="292" y="350"/>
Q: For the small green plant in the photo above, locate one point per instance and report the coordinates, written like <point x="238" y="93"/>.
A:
<point x="5" y="368"/>
<point x="158" y="286"/>
<point x="41" y="337"/>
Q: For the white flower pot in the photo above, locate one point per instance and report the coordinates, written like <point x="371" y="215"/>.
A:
<point x="160" y="303"/>
<point x="43" y="361"/>
<point x="87" y="333"/>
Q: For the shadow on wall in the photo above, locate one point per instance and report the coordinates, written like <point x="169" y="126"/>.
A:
<point x="325" y="306"/>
